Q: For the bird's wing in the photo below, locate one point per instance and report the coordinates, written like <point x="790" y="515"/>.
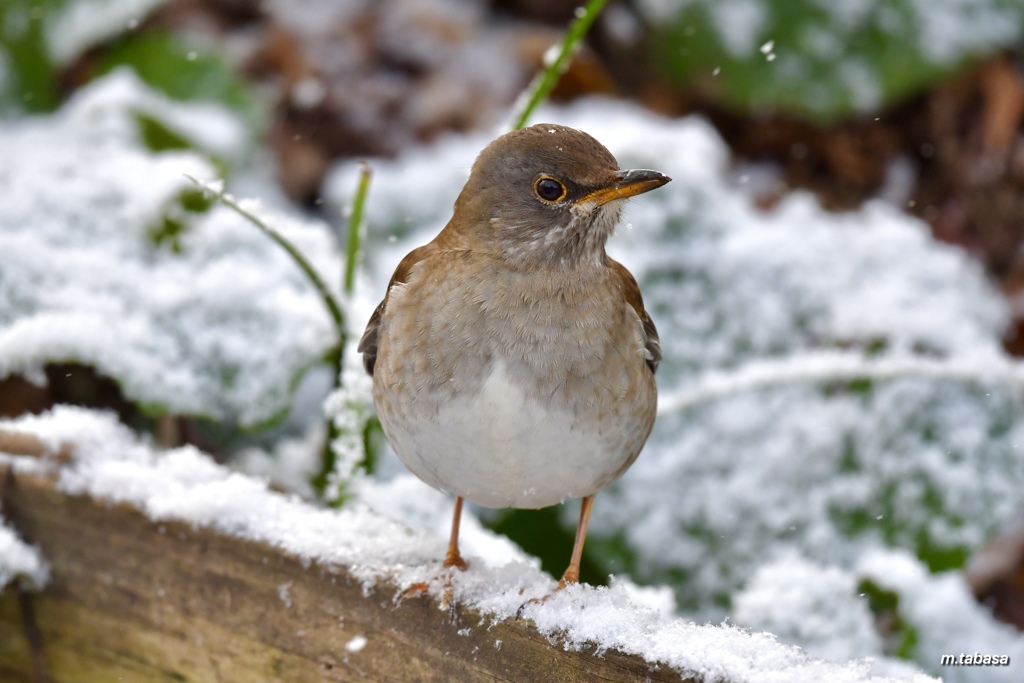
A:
<point x="368" y="342"/>
<point x="652" y="344"/>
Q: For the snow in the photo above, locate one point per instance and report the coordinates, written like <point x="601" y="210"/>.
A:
<point x="801" y="602"/>
<point x="825" y="366"/>
<point x="77" y="25"/>
<point x="739" y="23"/>
<point x="927" y="603"/>
<point x="356" y="644"/>
<point x="821" y="607"/>
<point x="284" y="593"/>
<point x="211" y="320"/>
<point x="944" y="31"/>
<point x="949" y="29"/>
<point x="349" y="407"/>
<point x="20" y="561"/>
<point x="836" y="58"/>
<point x="833" y="384"/>
<point x="184" y="485"/>
<point x="289" y="463"/>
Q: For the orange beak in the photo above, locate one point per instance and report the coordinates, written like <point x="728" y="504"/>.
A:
<point x="627" y="184"/>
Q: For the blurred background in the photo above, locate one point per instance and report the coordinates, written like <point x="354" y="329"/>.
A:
<point x="848" y="190"/>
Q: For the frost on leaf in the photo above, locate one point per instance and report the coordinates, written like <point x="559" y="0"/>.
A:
<point x="113" y="259"/>
<point x="887" y="607"/>
<point x="826" y="59"/>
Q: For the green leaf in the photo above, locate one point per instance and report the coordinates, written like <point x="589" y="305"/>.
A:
<point x="158" y="137"/>
<point x="185" y="73"/>
<point x="825" y="61"/>
<point x="28" y="80"/>
<point x="548" y="78"/>
<point x="900" y="637"/>
<point x="167" y="233"/>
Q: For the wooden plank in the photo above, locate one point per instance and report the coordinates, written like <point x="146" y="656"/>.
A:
<point x="140" y="601"/>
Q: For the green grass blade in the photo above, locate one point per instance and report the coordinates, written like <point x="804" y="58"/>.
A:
<point x="546" y="80"/>
<point x="353" y="243"/>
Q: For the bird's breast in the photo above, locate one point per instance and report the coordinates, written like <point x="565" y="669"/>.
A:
<point x="509" y="392"/>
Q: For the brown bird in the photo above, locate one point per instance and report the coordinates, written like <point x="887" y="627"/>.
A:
<point x="513" y="361"/>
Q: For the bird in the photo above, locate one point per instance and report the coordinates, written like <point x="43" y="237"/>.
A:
<point x="512" y="359"/>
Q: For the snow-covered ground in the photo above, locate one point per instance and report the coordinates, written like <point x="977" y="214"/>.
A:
<point x="836" y="404"/>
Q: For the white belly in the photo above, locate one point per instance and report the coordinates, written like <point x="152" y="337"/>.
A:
<point x="497" y="447"/>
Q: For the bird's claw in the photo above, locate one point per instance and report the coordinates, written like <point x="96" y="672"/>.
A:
<point x="447" y="597"/>
<point x="562" y="584"/>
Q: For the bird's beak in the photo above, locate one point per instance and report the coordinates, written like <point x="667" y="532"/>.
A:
<point x="626" y="184"/>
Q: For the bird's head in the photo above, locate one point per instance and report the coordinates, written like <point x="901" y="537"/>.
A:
<point x="547" y="193"/>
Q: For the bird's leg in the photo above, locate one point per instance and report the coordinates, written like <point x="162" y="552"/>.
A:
<point x="572" y="572"/>
<point x="452" y="558"/>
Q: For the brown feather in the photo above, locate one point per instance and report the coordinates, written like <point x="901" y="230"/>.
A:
<point x="652" y="343"/>
<point x="368" y="342"/>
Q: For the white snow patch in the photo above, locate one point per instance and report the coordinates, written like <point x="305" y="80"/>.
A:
<point x="349" y="408"/>
<point x="815" y="607"/>
<point x="290" y="464"/>
<point x="107" y="108"/>
<point x="75" y="26"/>
<point x="739" y="23"/>
<point x="944" y="31"/>
<point x="951" y="29"/>
<point x="197" y="313"/>
<point x="356" y="644"/>
<point x="284" y="593"/>
<point x="20" y="561"/>
<point x="947" y="618"/>
<point x="184" y="484"/>
<point x="832" y="366"/>
<point x="819" y="608"/>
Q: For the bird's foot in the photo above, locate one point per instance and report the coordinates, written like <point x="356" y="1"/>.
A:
<point x="563" y="583"/>
<point x="452" y="562"/>
<point x="415" y="590"/>
<point x="454" y="559"/>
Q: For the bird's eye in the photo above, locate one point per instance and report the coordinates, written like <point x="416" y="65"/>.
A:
<point x="549" y="189"/>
